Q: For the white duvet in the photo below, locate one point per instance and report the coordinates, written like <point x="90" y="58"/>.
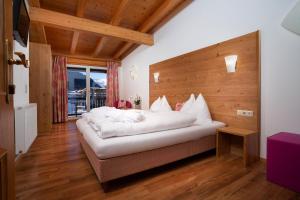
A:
<point x="99" y="115"/>
<point x="105" y="127"/>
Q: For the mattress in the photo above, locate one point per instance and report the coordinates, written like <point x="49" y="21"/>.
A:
<point x="120" y="146"/>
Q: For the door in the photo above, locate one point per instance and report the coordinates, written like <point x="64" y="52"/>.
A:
<point x="86" y="89"/>
<point x="6" y="101"/>
<point x="77" y="91"/>
<point x="98" y="82"/>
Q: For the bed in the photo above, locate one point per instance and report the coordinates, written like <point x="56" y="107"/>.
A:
<point x="117" y="157"/>
<point x="201" y="71"/>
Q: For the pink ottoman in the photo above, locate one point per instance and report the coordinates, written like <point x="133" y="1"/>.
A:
<point x="283" y="160"/>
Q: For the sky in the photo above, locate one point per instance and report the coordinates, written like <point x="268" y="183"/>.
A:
<point x="99" y="78"/>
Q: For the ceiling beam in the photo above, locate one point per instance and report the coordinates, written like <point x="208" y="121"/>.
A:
<point x="118" y="14"/>
<point x="69" y="22"/>
<point x="122" y="50"/>
<point x="116" y="19"/>
<point x="81" y="56"/>
<point x="39" y="28"/>
<point x="74" y="42"/>
<point x="79" y="59"/>
<point x="99" y="46"/>
<point x="179" y="8"/>
<point x="165" y="9"/>
<point x="79" y="13"/>
<point x="172" y="14"/>
<point x="86" y="62"/>
<point x="80" y="8"/>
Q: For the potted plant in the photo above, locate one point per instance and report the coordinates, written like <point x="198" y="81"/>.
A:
<point x="137" y="102"/>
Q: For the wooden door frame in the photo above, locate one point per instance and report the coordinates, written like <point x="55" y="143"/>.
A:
<point x="7" y="133"/>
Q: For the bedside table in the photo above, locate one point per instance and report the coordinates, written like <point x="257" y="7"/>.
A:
<point x="226" y="136"/>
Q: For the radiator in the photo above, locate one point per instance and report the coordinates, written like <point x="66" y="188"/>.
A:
<point x="25" y="127"/>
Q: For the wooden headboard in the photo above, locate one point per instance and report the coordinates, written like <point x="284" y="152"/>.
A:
<point x="204" y="71"/>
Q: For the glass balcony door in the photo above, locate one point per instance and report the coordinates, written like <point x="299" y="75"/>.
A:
<point x="77" y="90"/>
<point x="97" y="88"/>
<point x="86" y="89"/>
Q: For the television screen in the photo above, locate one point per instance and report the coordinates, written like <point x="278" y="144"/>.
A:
<point x="21" y="22"/>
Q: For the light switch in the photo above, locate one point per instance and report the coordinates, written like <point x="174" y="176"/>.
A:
<point x="245" y="113"/>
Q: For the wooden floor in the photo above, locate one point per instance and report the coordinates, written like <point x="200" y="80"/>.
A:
<point x="57" y="168"/>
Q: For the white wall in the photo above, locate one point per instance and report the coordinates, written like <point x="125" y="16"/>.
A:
<point x="21" y="78"/>
<point x="21" y="75"/>
<point x="207" y="22"/>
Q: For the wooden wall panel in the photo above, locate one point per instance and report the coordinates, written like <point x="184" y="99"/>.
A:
<point x="40" y="80"/>
<point x="204" y="71"/>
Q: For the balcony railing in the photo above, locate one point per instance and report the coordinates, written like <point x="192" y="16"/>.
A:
<point x="77" y="104"/>
<point x="97" y="101"/>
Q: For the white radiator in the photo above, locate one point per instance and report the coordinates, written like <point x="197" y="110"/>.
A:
<point x="25" y="127"/>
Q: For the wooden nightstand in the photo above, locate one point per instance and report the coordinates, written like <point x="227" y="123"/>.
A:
<point x="229" y="135"/>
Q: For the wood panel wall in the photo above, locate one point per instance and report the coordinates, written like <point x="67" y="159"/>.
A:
<point x="204" y="71"/>
<point x="40" y="84"/>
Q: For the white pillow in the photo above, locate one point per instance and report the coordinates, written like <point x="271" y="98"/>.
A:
<point x="188" y="104"/>
<point x="165" y="105"/>
<point x="155" y="107"/>
<point x="201" y="110"/>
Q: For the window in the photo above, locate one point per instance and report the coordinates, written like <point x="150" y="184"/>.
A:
<point x="97" y="88"/>
<point x="86" y="89"/>
<point x="76" y="91"/>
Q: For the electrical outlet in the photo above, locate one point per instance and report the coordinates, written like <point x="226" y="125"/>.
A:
<point x="245" y="113"/>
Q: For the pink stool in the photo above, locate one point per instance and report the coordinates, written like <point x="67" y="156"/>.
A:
<point x="283" y="160"/>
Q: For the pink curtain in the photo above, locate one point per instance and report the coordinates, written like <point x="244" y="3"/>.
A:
<point x="112" y="89"/>
<point x="59" y="89"/>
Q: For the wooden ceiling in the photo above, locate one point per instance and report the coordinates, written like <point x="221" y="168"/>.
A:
<point x="99" y="29"/>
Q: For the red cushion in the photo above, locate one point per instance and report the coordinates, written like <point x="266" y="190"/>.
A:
<point x="118" y="105"/>
<point x="178" y="106"/>
<point x="128" y="104"/>
<point x="122" y="104"/>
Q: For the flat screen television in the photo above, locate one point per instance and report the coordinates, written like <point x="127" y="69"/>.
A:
<point x="21" y="22"/>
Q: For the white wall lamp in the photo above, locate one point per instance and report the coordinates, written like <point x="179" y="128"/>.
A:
<point x="291" y="21"/>
<point x="133" y="72"/>
<point x="156" y="77"/>
<point x="231" y="63"/>
<point x="133" y="75"/>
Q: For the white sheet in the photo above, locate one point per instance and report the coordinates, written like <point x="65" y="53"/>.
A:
<point x="119" y="146"/>
<point x="152" y="122"/>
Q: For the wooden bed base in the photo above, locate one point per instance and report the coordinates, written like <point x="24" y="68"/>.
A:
<point x="113" y="168"/>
